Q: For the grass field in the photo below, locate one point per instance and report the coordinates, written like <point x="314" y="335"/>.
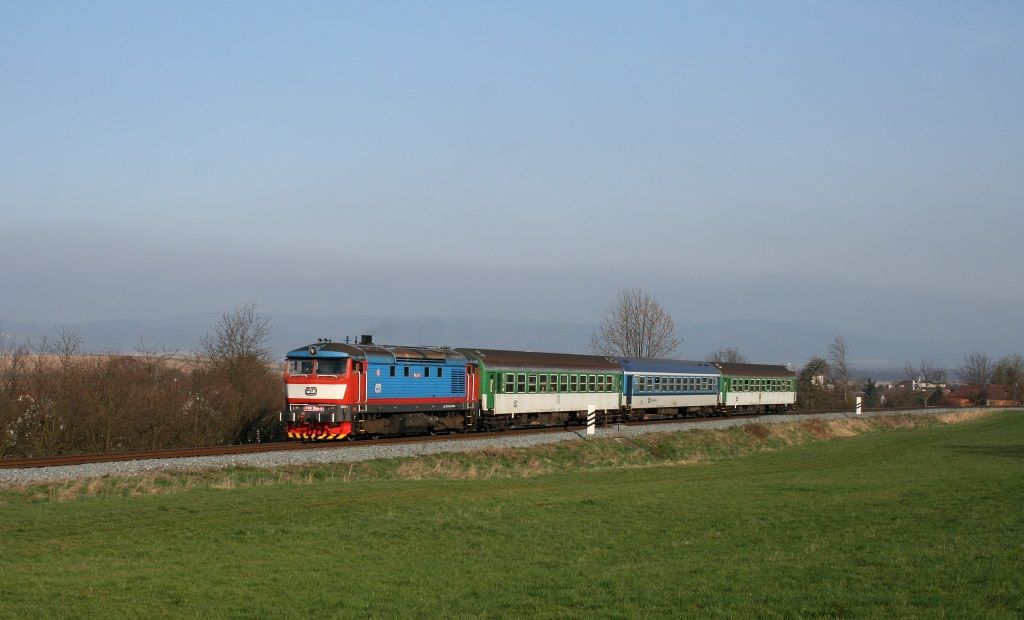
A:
<point x="922" y="522"/>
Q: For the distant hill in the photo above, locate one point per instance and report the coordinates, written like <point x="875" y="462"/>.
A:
<point x="761" y="341"/>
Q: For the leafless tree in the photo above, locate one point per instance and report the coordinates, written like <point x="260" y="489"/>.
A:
<point x="811" y="390"/>
<point x="838" y="365"/>
<point x="925" y="374"/>
<point x="635" y="325"/>
<point x="727" y="355"/>
<point x="977" y="369"/>
<point x="1009" y="372"/>
<point x="239" y="335"/>
<point x="238" y="386"/>
<point x="977" y="372"/>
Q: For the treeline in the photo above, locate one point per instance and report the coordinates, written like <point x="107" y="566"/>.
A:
<point x="54" y="401"/>
<point x="825" y="382"/>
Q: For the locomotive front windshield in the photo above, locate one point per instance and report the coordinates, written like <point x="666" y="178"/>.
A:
<point x="300" y="367"/>
<point x="322" y="367"/>
<point x="330" y="367"/>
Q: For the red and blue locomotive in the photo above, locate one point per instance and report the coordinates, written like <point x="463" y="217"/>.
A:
<point x="337" y="390"/>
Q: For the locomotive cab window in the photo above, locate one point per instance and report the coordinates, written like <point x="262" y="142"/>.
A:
<point x="300" y="367"/>
<point x="330" y="367"/>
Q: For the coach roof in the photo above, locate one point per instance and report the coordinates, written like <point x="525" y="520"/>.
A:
<point x="497" y="359"/>
<point x="637" y="365"/>
<point x="755" y="370"/>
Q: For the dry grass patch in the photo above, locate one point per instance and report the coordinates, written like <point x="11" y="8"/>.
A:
<point x="957" y="417"/>
<point x="757" y="430"/>
<point x="849" y="428"/>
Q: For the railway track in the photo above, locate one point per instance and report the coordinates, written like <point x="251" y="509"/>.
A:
<point x="283" y="446"/>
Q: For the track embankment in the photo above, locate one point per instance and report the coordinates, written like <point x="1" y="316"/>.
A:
<point x="822" y="424"/>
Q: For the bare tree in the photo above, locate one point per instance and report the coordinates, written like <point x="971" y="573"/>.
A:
<point x="1009" y="373"/>
<point x="238" y="387"/>
<point x="727" y="355"/>
<point x="838" y="364"/>
<point x="928" y="376"/>
<point x="977" y="369"/>
<point x="239" y="335"/>
<point x="811" y="390"/>
<point x="977" y="372"/>
<point x="635" y="325"/>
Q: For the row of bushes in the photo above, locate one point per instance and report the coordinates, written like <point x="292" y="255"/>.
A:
<point x="53" y="404"/>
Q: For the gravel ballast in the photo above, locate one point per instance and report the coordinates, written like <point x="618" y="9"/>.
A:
<point x="352" y="453"/>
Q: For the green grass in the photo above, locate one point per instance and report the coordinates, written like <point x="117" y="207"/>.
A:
<point x="926" y="522"/>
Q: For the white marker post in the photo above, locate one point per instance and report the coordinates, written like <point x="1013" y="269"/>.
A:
<point x="591" y="420"/>
<point x="858" y="405"/>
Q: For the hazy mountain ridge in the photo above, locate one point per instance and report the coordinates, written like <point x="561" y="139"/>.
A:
<point x="761" y="341"/>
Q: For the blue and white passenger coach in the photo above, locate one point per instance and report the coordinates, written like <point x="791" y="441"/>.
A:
<point x="669" y="386"/>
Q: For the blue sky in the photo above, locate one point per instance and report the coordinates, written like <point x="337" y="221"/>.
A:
<point x="857" y="164"/>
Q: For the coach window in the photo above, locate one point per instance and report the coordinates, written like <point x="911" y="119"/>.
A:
<point x="532" y="383"/>
<point x="572" y="383"/>
<point x="426" y="371"/>
<point x="563" y="383"/>
<point x="521" y="383"/>
<point x="405" y="371"/>
<point x="543" y="383"/>
<point x="440" y="372"/>
<point x="392" y="371"/>
<point x="510" y="383"/>
<point x="553" y="383"/>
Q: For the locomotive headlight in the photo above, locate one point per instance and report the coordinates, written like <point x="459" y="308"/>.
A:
<point x="313" y="350"/>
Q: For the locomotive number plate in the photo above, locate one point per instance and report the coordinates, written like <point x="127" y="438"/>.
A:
<point x="313" y="408"/>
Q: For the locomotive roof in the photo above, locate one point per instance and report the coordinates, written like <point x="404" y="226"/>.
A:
<point x="498" y="359"/>
<point x="382" y="354"/>
<point x="634" y="364"/>
<point x="756" y="370"/>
